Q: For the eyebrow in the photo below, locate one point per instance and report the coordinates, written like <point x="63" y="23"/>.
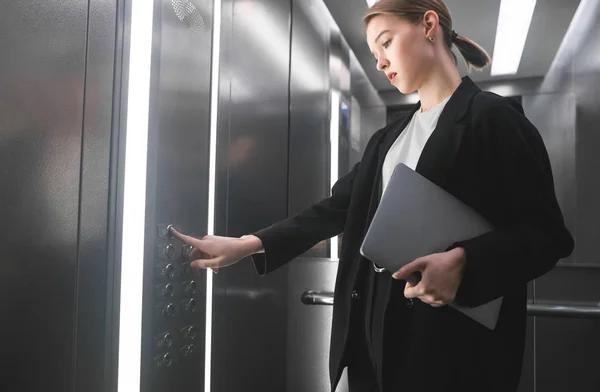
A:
<point x="379" y="36"/>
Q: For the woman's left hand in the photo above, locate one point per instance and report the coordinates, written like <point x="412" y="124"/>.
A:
<point x="441" y="274"/>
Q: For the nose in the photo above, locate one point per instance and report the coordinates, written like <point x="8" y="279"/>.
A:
<point x="382" y="64"/>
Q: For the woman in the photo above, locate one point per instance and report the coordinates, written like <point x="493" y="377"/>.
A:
<point x="479" y="147"/>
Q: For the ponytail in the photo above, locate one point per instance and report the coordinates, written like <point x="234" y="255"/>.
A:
<point x="475" y="56"/>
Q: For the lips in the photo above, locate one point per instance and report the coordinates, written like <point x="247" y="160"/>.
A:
<point x="391" y="76"/>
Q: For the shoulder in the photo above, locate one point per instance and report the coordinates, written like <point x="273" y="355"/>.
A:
<point x="500" y="123"/>
<point x="486" y="105"/>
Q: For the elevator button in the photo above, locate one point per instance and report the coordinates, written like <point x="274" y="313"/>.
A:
<point x="164" y="360"/>
<point x="187" y="269"/>
<point x="165" y="341"/>
<point x="189" y="305"/>
<point x="165" y="290"/>
<point x="186" y="250"/>
<point x="190" y="332"/>
<point x="169" y="310"/>
<point x="190" y="287"/>
<point x="164" y="231"/>
<point x="170" y="251"/>
<point x="166" y="252"/>
<point x="167" y="270"/>
<point x="188" y="350"/>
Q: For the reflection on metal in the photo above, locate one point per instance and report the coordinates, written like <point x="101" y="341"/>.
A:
<point x="312" y="297"/>
<point x="560" y="310"/>
<point x="585" y="311"/>
<point x="247" y="294"/>
<point x="188" y="14"/>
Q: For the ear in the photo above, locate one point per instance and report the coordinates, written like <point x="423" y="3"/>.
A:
<point x="431" y="21"/>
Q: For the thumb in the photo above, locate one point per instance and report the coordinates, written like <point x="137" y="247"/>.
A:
<point x="416" y="266"/>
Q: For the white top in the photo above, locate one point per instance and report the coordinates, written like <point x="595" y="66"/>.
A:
<point x="409" y="145"/>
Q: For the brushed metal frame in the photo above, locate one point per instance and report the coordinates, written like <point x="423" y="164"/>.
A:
<point x="93" y="356"/>
<point x="585" y="311"/>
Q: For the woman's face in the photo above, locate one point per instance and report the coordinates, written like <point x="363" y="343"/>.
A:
<point x="401" y="49"/>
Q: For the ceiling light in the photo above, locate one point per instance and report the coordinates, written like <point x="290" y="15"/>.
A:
<point x="513" y="26"/>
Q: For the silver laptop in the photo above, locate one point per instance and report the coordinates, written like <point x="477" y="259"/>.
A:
<point x="417" y="218"/>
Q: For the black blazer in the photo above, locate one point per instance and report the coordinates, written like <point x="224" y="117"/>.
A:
<point x="485" y="152"/>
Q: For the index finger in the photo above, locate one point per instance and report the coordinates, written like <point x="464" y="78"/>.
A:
<point x="185" y="238"/>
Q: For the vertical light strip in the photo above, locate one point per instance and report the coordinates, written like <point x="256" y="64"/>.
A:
<point x="214" y="111"/>
<point x="334" y="134"/>
<point x="134" y="198"/>
<point x="514" y="21"/>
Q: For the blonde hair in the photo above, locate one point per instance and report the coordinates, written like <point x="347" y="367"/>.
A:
<point x="414" y="10"/>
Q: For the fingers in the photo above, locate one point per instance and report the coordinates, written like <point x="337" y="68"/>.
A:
<point x="213" y="264"/>
<point x="198" y="244"/>
<point x="198" y="254"/>
<point x="413" y="291"/>
<point x="184" y="238"/>
<point x="419" y="291"/>
<point x="416" y="266"/>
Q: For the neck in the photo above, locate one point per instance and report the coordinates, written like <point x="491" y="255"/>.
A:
<point x="439" y="85"/>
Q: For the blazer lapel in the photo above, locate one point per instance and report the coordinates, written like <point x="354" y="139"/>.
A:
<point x="443" y="144"/>
<point x="386" y="142"/>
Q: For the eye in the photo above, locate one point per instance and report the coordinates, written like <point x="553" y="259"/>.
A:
<point x="386" y="44"/>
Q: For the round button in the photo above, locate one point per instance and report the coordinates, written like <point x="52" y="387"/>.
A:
<point x="168" y="233"/>
<point x="187" y="250"/>
<point x="190" y="332"/>
<point x="170" y="251"/>
<point x="190" y="305"/>
<point x="192" y="287"/>
<point x="169" y="271"/>
<point x="167" y="360"/>
<point x="189" y="350"/>
<point x="169" y="310"/>
<point x="355" y="295"/>
<point x="165" y="341"/>
<point x="410" y="303"/>
<point x="167" y="291"/>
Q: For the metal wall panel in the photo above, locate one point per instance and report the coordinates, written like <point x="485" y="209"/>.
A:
<point x="309" y="327"/>
<point x="41" y="113"/>
<point x="249" y="314"/>
<point x="565" y="110"/>
<point x="177" y="193"/>
<point x="309" y="144"/>
<point x="95" y="259"/>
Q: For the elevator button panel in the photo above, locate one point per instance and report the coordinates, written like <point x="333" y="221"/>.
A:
<point x="176" y="295"/>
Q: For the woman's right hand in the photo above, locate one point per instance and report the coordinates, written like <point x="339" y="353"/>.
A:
<point x="215" y="252"/>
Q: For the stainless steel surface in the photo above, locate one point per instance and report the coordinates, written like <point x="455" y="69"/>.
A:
<point x="250" y="331"/>
<point x="568" y="311"/>
<point x="309" y="147"/>
<point x="309" y="328"/>
<point x="96" y="208"/>
<point x="312" y="297"/>
<point x="177" y="194"/>
<point x="42" y="74"/>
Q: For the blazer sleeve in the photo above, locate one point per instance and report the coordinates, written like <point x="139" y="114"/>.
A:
<point x="289" y="238"/>
<point x="534" y="237"/>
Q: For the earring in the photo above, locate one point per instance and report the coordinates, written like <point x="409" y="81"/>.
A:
<point x="432" y="39"/>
